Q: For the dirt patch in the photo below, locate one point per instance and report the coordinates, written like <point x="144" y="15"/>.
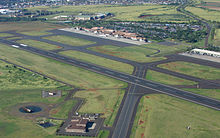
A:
<point x="142" y="135"/>
<point x="141" y="122"/>
<point x="144" y="16"/>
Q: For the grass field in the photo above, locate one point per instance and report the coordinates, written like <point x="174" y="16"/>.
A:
<point x="125" y="13"/>
<point x="67" y="73"/>
<point x="101" y="101"/>
<point x="205" y="13"/>
<point x="167" y="79"/>
<point x="217" y="37"/>
<point x="35" y="33"/>
<point x="69" y="40"/>
<point x="14" y="38"/>
<point x="168" y="117"/>
<point x="63" y="109"/>
<point x="28" y="26"/>
<point x="115" y="65"/>
<point x="134" y="53"/>
<point x="39" y="44"/>
<point x="196" y="70"/>
<point x="5" y="35"/>
<point x="213" y="93"/>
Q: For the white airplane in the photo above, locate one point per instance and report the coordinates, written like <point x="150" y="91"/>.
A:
<point x="15" y="46"/>
<point x="23" y="45"/>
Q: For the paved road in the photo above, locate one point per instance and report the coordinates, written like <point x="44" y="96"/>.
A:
<point x="202" y="100"/>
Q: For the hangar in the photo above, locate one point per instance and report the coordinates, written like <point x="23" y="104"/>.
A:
<point x="205" y="52"/>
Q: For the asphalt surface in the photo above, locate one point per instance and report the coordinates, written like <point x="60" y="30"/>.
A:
<point x="202" y="100"/>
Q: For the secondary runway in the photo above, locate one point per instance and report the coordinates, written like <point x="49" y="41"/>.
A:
<point x="202" y="100"/>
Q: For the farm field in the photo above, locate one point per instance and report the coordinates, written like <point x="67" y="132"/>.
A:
<point x="217" y="37"/>
<point x="196" y="70"/>
<point x="69" y="40"/>
<point x="167" y="79"/>
<point x="205" y="13"/>
<point x="64" y="72"/>
<point x="213" y="93"/>
<point x="28" y="26"/>
<point x="213" y="5"/>
<point x="101" y="101"/>
<point x="115" y="65"/>
<point x="125" y="13"/>
<point x="171" y="116"/>
<point x="39" y="44"/>
<point x="134" y="53"/>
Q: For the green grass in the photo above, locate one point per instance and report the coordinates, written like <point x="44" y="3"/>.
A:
<point x="115" y="65"/>
<point x="39" y="44"/>
<point x="205" y="13"/>
<point x="213" y="93"/>
<point x="196" y="70"/>
<point x="5" y="35"/>
<point x="69" y="40"/>
<point x="101" y="101"/>
<point x="28" y="26"/>
<point x="125" y="13"/>
<point x="13" y="38"/>
<point x="35" y="33"/>
<point x="134" y="53"/>
<point x="217" y="37"/>
<point x="167" y="79"/>
<point x="64" y="72"/>
<point x="168" y="117"/>
<point x="63" y="109"/>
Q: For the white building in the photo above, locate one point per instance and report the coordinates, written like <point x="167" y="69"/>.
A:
<point x="205" y="52"/>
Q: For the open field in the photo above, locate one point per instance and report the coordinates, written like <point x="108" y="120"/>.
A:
<point x="134" y="53"/>
<point x="205" y="13"/>
<point x="115" y="65"/>
<point x="5" y="35"/>
<point x="62" y="110"/>
<point x="39" y="44"/>
<point x="217" y="37"/>
<point x="101" y="101"/>
<point x="165" y="116"/>
<point x="124" y="13"/>
<point x="64" y="72"/>
<point x="167" y="79"/>
<point x="35" y="33"/>
<point x="28" y="26"/>
<point x="13" y="38"/>
<point x="196" y="70"/>
<point x="213" y="93"/>
<point x="69" y="40"/>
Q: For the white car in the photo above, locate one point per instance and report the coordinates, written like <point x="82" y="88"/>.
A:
<point x="23" y="45"/>
<point x="15" y="46"/>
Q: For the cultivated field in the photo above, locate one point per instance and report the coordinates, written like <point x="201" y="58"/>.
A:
<point x="115" y="65"/>
<point x="39" y="44"/>
<point x="125" y="13"/>
<point x="69" y="40"/>
<point x="196" y="70"/>
<point x="167" y="79"/>
<point x="101" y="101"/>
<point x="165" y="116"/>
<point x="67" y="73"/>
<point x="205" y="13"/>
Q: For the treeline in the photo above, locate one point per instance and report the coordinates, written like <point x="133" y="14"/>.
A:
<point x="14" y="19"/>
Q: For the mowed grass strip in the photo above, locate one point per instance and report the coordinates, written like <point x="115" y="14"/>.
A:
<point x="115" y="65"/>
<point x="191" y="69"/>
<point x="167" y="79"/>
<point x="101" y="101"/>
<point x="58" y="70"/>
<point x="134" y="53"/>
<point x="5" y="35"/>
<point x="69" y="40"/>
<point x="213" y="93"/>
<point x="168" y="117"/>
<point x="35" y="33"/>
<point x="39" y="44"/>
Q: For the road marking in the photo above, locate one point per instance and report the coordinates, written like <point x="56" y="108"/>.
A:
<point x="123" y="76"/>
<point x="83" y="64"/>
<point x="109" y="72"/>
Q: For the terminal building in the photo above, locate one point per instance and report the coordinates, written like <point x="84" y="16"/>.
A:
<point x="205" y="52"/>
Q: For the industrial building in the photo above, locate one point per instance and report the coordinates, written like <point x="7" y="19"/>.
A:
<point x="205" y="52"/>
